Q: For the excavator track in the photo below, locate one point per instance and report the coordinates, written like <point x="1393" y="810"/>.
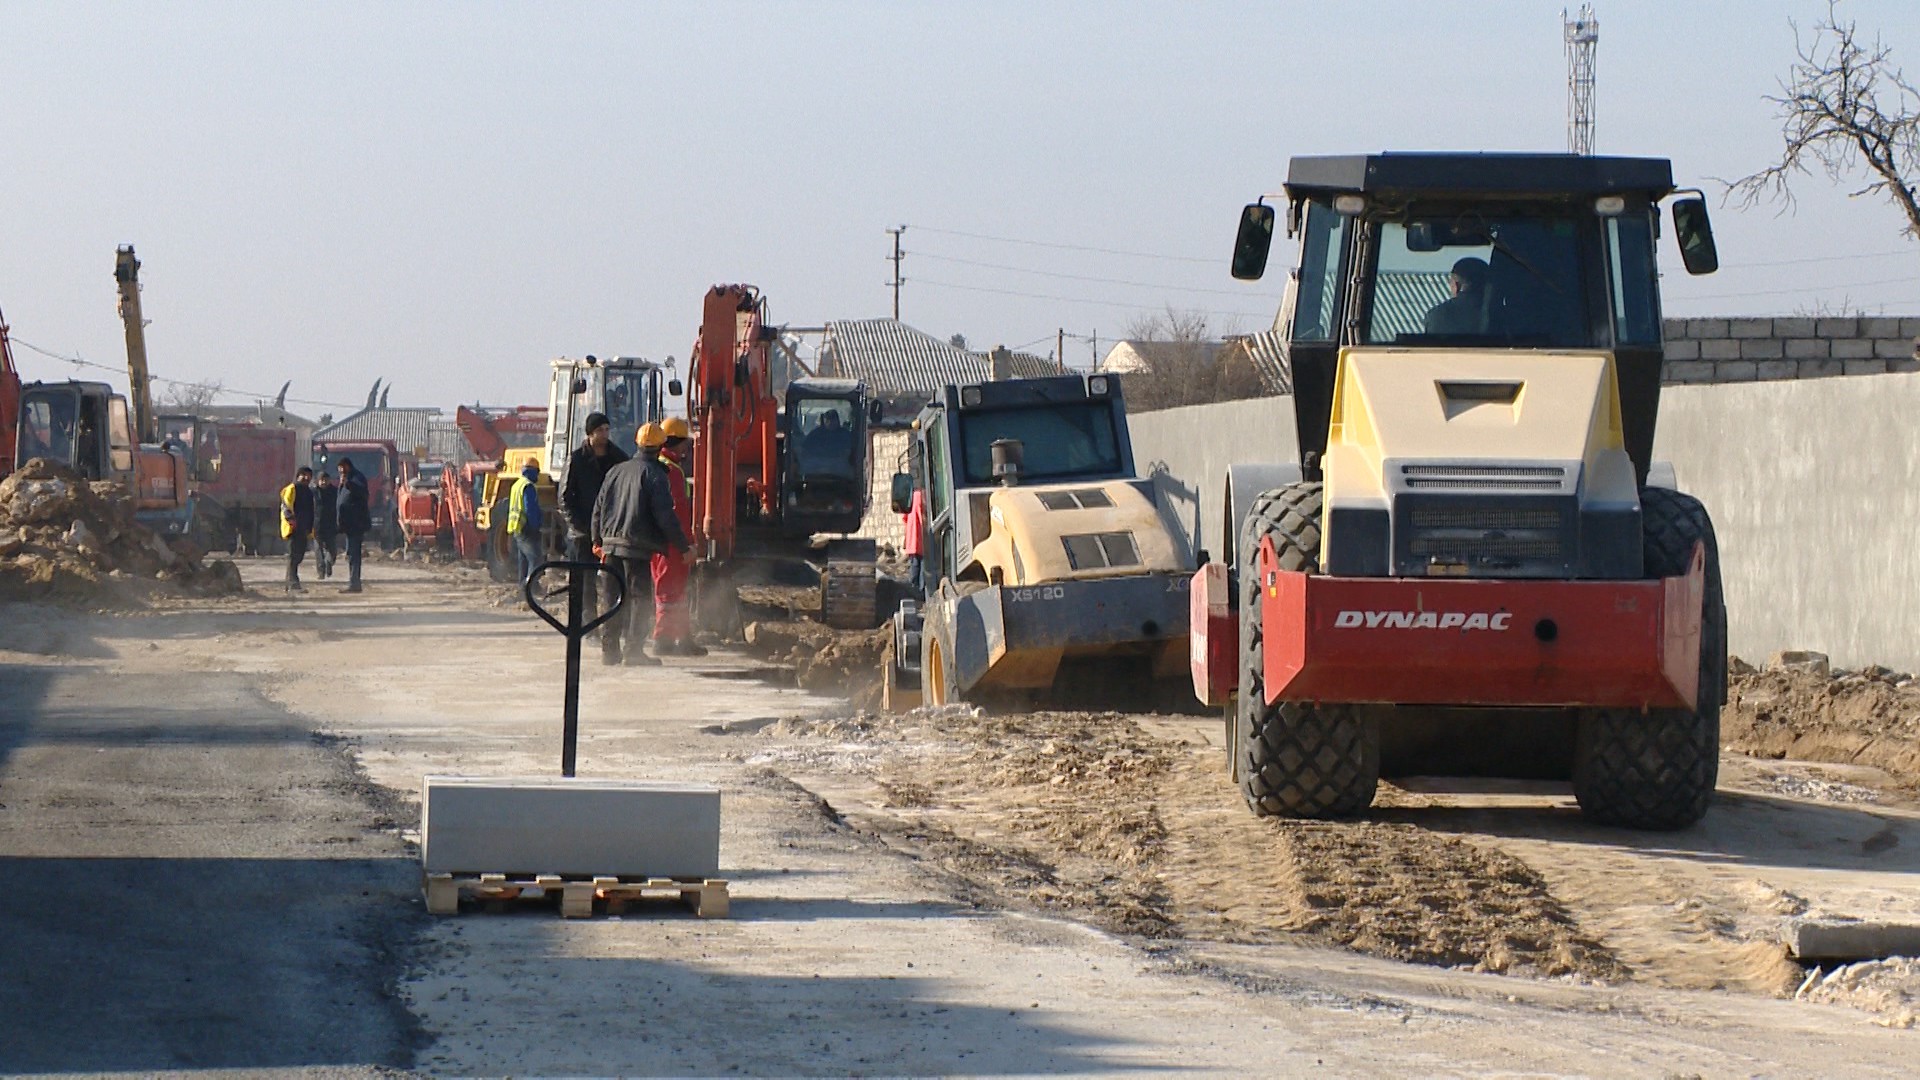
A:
<point x="849" y="596"/>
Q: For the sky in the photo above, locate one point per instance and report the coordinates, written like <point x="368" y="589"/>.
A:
<point x="446" y="196"/>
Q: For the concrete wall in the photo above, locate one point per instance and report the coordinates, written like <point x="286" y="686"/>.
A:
<point x="1814" y="488"/>
<point x="1188" y="450"/>
<point x="888" y="450"/>
<point x="1796" y="347"/>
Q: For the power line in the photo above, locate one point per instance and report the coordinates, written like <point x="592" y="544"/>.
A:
<point x="1068" y="247"/>
<point x="1074" y="299"/>
<point x="1798" y="289"/>
<point x="1079" y="277"/>
<point x="1819" y="259"/>
<point x="77" y="361"/>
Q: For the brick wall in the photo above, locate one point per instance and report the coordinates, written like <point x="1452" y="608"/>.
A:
<point x="1788" y="347"/>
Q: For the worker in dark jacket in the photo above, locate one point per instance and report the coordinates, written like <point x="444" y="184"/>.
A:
<point x="326" y="523"/>
<point x="586" y="470"/>
<point x="633" y="519"/>
<point x="355" y="518"/>
<point x="296" y="523"/>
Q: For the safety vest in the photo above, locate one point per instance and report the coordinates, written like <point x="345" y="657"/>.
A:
<point x="516" y="510"/>
<point x="286" y="511"/>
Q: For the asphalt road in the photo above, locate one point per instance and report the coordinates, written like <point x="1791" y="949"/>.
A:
<point x="189" y="879"/>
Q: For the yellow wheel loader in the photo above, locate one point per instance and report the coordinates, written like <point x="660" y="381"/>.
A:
<point x="1052" y="572"/>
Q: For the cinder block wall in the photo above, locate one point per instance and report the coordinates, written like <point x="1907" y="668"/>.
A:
<point x="882" y="524"/>
<point x="1720" y="350"/>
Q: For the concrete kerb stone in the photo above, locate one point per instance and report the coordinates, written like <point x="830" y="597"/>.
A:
<point x="1850" y="939"/>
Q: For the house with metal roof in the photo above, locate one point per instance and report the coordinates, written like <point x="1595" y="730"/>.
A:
<point x="905" y="367"/>
<point x="418" y="431"/>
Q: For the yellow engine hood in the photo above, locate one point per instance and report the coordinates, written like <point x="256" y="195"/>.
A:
<point x="1064" y="532"/>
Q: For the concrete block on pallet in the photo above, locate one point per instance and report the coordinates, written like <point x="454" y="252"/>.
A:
<point x="574" y="828"/>
<point x="1851" y="939"/>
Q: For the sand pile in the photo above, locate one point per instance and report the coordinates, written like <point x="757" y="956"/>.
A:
<point x="63" y="537"/>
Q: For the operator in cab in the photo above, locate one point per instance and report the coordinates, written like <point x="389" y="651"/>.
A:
<point x="1467" y="311"/>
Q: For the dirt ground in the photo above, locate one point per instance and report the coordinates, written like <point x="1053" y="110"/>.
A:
<point x="947" y="891"/>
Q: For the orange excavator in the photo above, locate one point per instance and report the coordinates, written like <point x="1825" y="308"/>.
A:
<point x="771" y="472"/>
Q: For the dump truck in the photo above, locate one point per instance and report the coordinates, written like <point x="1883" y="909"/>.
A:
<point x="1053" y="572"/>
<point x="1473" y="565"/>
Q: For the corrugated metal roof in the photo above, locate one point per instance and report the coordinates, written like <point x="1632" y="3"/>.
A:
<point x="406" y="428"/>
<point x="1267" y="353"/>
<point x="1402" y="298"/>
<point x="894" y="358"/>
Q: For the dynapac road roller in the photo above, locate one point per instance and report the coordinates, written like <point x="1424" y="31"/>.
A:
<point x="1474" y="566"/>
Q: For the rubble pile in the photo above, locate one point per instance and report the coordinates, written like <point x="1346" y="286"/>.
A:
<point x="829" y="661"/>
<point x="1801" y="706"/>
<point x="63" y="537"/>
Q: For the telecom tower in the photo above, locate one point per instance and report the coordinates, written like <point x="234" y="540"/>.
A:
<point x="1583" y="38"/>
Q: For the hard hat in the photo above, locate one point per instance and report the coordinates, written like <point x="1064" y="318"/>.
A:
<point x="652" y="437"/>
<point x="676" y="428"/>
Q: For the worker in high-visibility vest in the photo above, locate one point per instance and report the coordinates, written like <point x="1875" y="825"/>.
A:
<point x="296" y="523"/>
<point x="523" y="519"/>
<point x="672" y="614"/>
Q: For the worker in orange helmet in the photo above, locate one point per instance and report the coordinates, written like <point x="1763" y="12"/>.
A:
<point x="673" y="618"/>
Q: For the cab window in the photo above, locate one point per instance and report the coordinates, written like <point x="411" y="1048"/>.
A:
<point x="1466" y="279"/>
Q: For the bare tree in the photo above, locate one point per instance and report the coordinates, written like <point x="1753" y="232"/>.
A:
<point x="958" y="341"/>
<point x="1183" y="363"/>
<point x="1844" y="108"/>
<point x="186" y="397"/>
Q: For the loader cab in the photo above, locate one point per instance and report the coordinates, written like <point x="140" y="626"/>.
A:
<point x="197" y="440"/>
<point x="628" y="389"/>
<point x="824" y="462"/>
<point x="81" y="426"/>
<point x="1481" y="252"/>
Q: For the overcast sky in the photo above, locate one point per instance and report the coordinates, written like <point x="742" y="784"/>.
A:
<point x="449" y="195"/>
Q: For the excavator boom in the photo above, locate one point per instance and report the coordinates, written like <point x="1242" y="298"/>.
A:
<point x="126" y="273"/>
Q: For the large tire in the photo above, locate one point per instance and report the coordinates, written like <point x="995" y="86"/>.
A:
<point x="1657" y="770"/>
<point x="1294" y="760"/>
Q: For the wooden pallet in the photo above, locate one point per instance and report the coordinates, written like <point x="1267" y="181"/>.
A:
<point x="706" y="896"/>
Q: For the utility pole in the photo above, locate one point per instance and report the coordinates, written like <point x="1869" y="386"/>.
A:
<point x="1060" y="348"/>
<point x="1583" y="39"/>
<point x="895" y="259"/>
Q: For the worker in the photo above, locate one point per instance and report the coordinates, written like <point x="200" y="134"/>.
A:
<point x="829" y="446"/>
<point x="632" y="519"/>
<point x="1466" y="310"/>
<point x="916" y="539"/>
<point x="672" y="618"/>
<point x="296" y="523"/>
<point x="326" y="524"/>
<point x="586" y="471"/>
<point x="355" y="517"/>
<point x="523" y="520"/>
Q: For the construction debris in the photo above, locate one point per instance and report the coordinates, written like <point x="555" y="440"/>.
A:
<point x="1812" y="711"/>
<point x="63" y="537"/>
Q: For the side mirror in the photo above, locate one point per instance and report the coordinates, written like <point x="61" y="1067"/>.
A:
<point x="1695" y="233"/>
<point x="874" y="410"/>
<point x="902" y="492"/>
<point x="1255" y="241"/>
<point x="580" y="385"/>
<point x="675" y="387"/>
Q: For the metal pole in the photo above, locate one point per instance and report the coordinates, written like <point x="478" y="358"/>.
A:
<point x="1060" y="348"/>
<point x="570" y="727"/>
<point x="895" y="259"/>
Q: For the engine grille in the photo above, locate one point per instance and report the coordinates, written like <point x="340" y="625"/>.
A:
<point x="1080" y="499"/>
<point x="1431" y="477"/>
<point x="1497" y="535"/>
